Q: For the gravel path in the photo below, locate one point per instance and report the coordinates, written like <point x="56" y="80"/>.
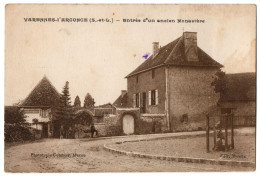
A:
<point x="19" y="159"/>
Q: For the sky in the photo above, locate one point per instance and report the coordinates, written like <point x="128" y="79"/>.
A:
<point x="96" y="57"/>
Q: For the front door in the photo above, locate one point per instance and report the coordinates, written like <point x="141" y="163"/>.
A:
<point x="144" y="102"/>
<point x="44" y="130"/>
<point x="128" y="124"/>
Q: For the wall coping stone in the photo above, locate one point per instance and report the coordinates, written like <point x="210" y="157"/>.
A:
<point x="127" y="109"/>
<point x="153" y="115"/>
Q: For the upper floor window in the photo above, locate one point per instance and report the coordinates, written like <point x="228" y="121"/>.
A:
<point x="136" y="100"/>
<point x="153" y="97"/>
<point x="153" y="73"/>
<point x="137" y="79"/>
<point x="44" y="113"/>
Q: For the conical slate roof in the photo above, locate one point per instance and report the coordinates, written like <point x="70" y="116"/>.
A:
<point x="43" y="95"/>
<point x="174" y="54"/>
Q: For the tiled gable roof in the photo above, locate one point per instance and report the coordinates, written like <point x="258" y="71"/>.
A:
<point x="121" y="101"/>
<point x="240" y="87"/>
<point x="174" y="54"/>
<point x="44" y="94"/>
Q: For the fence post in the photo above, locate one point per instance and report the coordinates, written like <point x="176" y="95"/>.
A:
<point x="214" y="131"/>
<point x="232" y="131"/>
<point x="226" y="134"/>
<point x="207" y="132"/>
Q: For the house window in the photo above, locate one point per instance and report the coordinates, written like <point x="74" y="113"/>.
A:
<point x="136" y="100"/>
<point x="44" y="113"/>
<point x="153" y="97"/>
<point x="184" y="118"/>
<point x="137" y="79"/>
<point x="153" y="73"/>
<point x="226" y="110"/>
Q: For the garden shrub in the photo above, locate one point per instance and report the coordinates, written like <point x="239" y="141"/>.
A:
<point x="18" y="133"/>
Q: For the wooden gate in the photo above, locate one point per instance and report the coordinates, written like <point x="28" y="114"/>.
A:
<point x="128" y="124"/>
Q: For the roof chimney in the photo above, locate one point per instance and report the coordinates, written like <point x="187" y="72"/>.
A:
<point x="123" y="92"/>
<point x="155" y="48"/>
<point x="190" y="44"/>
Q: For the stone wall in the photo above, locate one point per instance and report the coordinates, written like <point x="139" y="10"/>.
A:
<point x="191" y="96"/>
<point x="112" y="125"/>
<point x="101" y="128"/>
<point x="147" y="83"/>
<point x="151" y="123"/>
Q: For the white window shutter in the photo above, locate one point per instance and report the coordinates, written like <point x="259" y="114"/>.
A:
<point x="156" y="96"/>
<point x="134" y="100"/>
<point x="149" y="97"/>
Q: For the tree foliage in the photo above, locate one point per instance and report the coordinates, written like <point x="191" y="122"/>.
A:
<point x="18" y="133"/>
<point x="89" y="102"/>
<point x="13" y="115"/>
<point x="220" y="82"/>
<point x="83" y="118"/>
<point x="64" y="112"/>
<point x="77" y="102"/>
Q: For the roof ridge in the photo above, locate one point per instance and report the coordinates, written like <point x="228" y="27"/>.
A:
<point x="173" y="54"/>
<point x="35" y="87"/>
<point x="51" y="84"/>
<point x="173" y="50"/>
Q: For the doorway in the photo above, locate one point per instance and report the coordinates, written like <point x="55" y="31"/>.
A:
<point x="128" y="124"/>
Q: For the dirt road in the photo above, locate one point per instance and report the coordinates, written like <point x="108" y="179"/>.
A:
<point x="88" y="155"/>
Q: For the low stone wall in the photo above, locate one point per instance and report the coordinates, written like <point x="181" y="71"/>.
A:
<point x="112" y="125"/>
<point x="101" y="128"/>
<point x="113" y="122"/>
<point x="194" y="123"/>
<point x="144" y="123"/>
<point x="151" y="123"/>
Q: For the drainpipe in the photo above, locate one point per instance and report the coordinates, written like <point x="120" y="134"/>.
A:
<point x="167" y="98"/>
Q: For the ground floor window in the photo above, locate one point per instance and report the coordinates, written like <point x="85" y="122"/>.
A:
<point x="44" y="113"/>
<point x="153" y="97"/>
<point x="226" y="110"/>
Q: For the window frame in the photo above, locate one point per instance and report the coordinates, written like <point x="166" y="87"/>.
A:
<point x="136" y="100"/>
<point x="153" y="97"/>
<point x="153" y="73"/>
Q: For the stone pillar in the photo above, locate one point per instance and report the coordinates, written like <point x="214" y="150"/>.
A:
<point x="167" y="99"/>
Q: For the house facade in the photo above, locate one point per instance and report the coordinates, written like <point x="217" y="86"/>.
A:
<point x="175" y="82"/>
<point x="239" y="98"/>
<point x="38" y="106"/>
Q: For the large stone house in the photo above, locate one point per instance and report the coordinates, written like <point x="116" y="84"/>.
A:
<point x="38" y="106"/>
<point x="175" y="83"/>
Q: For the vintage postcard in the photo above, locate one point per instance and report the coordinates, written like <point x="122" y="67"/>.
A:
<point x="130" y="88"/>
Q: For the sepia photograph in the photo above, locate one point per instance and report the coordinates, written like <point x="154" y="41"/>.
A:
<point x="129" y="88"/>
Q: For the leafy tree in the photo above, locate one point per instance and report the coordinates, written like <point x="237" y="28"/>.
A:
<point x="89" y="102"/>
<point x="220" y="82"/>
<point x="13" y="115"/>
<point x="83" y="118"/>
<point x="77" y="102"/>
